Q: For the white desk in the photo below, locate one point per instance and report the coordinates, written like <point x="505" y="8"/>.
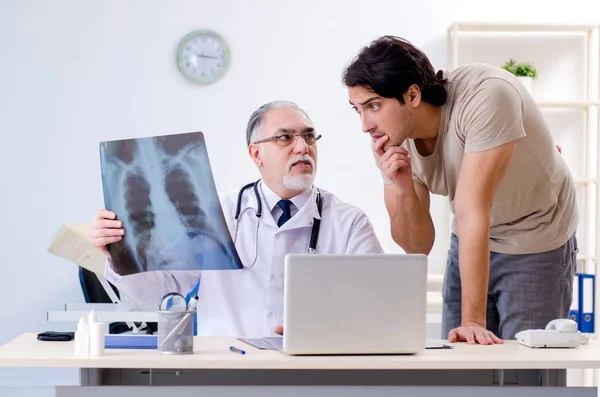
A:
<point x="459" y="370"/>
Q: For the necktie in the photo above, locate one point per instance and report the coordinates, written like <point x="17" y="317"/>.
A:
<point x="287" y="214"/>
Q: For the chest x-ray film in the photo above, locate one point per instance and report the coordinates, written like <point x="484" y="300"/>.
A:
<point x="162" y="189"/>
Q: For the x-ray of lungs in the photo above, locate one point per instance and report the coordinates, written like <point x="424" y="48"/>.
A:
<point x="162" y="189"/>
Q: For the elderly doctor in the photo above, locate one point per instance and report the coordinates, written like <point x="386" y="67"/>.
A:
<point x="282" y="143"/>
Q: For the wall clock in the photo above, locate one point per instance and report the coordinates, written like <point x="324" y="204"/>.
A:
<point x="203" y="56"/>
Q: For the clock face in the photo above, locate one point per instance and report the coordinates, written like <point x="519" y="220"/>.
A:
<point x="203" y="56"/>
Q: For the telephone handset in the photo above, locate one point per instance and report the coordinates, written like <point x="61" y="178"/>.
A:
<point x="561" y="332"/>
<point x="562" y="325"/>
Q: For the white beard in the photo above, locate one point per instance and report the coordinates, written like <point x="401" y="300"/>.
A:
<point x="299" y="182"/>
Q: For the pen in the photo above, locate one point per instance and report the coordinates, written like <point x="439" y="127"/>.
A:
<point x="236" y="350"/>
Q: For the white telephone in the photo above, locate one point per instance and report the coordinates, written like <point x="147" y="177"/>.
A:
<point x="561" y="332"/>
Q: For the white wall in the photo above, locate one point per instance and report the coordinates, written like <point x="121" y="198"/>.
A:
<point x="73" y="73"/>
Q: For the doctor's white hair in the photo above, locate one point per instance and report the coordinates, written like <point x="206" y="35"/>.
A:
<point x="257" y="120"/>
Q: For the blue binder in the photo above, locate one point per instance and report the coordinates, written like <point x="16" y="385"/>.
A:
<point x="587" y="296"/>
<point x="125" y="341"/>
<point x="574" y="313"/>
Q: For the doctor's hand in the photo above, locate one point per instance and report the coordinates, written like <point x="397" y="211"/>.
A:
<point x="106" y="229"/>
<point x="279" y="329"/>
<point x="472" y="333"/>
<point x="394" y="163"/>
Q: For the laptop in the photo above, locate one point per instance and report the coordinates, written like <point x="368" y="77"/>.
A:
<point x="355" y="304"/>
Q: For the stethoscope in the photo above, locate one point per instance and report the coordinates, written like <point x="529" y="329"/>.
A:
<point x="314" y="234"/>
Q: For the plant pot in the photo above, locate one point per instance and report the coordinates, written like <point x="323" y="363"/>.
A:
<point x="526" y="81"/>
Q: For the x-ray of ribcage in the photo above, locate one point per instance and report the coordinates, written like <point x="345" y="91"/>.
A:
<point x="163" y="191"/>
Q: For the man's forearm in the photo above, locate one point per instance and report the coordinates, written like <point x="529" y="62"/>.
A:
<point x="411" y="224"/>
<point x="474" y="264"/>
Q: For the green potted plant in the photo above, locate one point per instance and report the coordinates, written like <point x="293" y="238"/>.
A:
<point x="525" y="72"/>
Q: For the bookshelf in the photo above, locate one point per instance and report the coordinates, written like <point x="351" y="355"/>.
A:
<point x="567" y="58"/>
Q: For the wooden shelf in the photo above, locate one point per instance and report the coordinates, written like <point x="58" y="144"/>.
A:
<point x="583" y="257"/>
<point x="519" y="27"/>
<point x="584" y="181"/>
<point x="568" y="104"/>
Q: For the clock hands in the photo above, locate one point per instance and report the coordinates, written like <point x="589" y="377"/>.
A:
<point x="205" y="56"/>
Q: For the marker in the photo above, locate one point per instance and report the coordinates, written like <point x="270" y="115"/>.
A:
<point x="236" y="350"/>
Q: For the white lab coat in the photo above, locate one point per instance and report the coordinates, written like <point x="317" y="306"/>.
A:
<point x="249" y="302"/>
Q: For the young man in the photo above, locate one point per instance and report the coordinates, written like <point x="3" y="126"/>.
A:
<point x="477" y="136"/>
<point x="282" y="143"/>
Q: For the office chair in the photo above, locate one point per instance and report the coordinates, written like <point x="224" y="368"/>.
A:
<point x="94" y="292"/>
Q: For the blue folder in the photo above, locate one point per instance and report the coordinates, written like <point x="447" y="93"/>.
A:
<point x="587" y="296"/>
<point x="148" y="342"/>
<point x="574" y="311"/>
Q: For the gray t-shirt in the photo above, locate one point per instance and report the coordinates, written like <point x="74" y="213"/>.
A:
<point x="534" y="208"/>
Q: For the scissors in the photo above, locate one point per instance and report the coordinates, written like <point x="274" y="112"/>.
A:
<point x="173" y="302"/>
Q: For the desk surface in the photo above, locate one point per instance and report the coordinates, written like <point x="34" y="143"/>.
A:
<point x="213" y="353"/>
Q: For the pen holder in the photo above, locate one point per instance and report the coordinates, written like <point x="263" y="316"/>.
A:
<point x="175" y="332"/>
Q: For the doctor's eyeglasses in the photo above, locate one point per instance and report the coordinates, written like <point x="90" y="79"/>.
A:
<point x="288" y="138"/>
